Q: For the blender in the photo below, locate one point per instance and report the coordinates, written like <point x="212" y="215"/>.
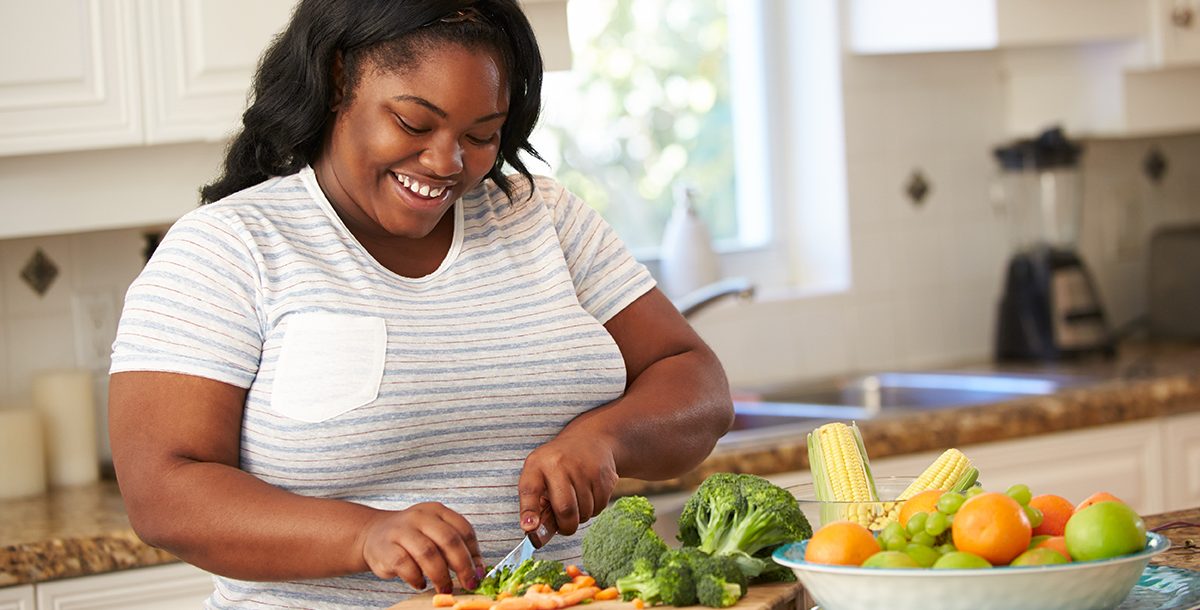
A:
<point x="1050" y="308"/>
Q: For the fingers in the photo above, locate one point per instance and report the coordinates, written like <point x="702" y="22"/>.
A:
<point x="423" y="543"/>
<point x="564" y="502"/>
<point x="532" y="490"/>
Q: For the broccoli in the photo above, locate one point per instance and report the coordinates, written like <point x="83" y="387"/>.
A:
<point x="715" y="592"/>
<point x="619" y="536"/>
<point x="640" y="583"/>
<point x="515" y="581"/>
<point x="742" y="516"/>
<point x="723" y="566"/>
<point x="670" y="583"/>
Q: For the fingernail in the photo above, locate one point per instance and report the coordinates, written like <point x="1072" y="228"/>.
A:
<point x="479" y="574"/>
<point x="447" y="589"/>
<point x="472" y="583"/>
<point x="527" y="520"/>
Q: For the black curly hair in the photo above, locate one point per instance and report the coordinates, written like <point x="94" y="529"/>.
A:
<point x="283" y="127"/>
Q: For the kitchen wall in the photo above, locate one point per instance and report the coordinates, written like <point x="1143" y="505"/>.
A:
<point x="926" y="277"/>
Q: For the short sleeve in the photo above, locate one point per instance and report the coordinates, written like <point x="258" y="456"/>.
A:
<point x="194" y="307"/>
<point x="606" y="275"/>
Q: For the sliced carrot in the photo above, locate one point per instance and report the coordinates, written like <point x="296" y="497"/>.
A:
<point x="473" y="604"/>
<point x="545" y="601"/>
<point x="573" y="571"/>
<point x="578" y="595"/>
<point x="568" y="587"/>
<point x="606" y="594"/>
<point x="583" y="580"/>
<point x="503" y="595"/>
<point x="639" y="604"/>
<point x="443" y="600"/>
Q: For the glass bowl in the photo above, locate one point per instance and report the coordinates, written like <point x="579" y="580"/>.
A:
<point x="819" y="513"/>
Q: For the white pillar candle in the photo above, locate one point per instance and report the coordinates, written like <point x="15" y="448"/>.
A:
<point x="22" y="453"/>
<point x="64" y="398"/>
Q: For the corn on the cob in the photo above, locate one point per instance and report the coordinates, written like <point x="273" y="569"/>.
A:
<point x="842" y="473"/>
<point x="950" y="471"/>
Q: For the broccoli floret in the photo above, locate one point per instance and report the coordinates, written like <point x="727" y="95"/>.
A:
<point x="715" y="592"/>
<point x="515" y="581"/>
<point x="640" y="583"/>
<point x="676" y="586"/>
<point x="619" y="536"/>
<point x="744" y="516"/>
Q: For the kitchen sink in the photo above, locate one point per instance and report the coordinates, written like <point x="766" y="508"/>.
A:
<point x="871" y="395"/>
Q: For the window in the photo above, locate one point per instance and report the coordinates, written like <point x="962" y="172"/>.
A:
<point x="647" y="108"/>
<point x="741" y="99"/>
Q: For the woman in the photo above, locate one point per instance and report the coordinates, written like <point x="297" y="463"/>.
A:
<point x="374" y="362"/>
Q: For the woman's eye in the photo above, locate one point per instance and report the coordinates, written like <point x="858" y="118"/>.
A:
<point x="409" y="128"/>
<point x="482" y="140"/>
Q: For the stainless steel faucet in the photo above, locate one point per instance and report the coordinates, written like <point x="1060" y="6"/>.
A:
<point x="692" y="302"/>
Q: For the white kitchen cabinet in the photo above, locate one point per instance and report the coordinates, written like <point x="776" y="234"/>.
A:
<point x="169" y="587"/>
<point x="1181" y="468"/>
<point x="17" y="598"/>
<point x="107" y="73"/>
<point x="70" y="79"/>
<point x="1123" y="459"/>
<point x="921" y="26"/>
<point x="1175" y="32"/>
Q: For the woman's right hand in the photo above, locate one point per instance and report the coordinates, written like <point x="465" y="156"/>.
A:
<point x="424" y="541"/>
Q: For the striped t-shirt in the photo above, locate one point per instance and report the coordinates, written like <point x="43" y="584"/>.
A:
<point x="374" y="388"/>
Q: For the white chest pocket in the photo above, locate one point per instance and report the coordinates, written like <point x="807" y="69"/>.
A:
<point x="328" y="364"/>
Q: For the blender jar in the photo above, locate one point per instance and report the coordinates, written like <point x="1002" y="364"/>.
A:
<point x="1040" y="188"/>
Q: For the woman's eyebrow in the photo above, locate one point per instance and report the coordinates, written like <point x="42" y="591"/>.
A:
<point x="442" y="113"/>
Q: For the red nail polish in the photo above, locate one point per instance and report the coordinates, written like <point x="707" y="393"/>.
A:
<point x="528" y="520"/>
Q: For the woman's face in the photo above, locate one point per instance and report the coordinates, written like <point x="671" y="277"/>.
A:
<point x="408" y="144"/>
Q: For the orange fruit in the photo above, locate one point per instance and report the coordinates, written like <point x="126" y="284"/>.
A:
<point x="1055" y="512"/>
<point x="843" y="543"/>
<point x="1100" y="496"/>
<point x="993" y="526"/>
<point x="924" y="502"/>
<point x="1055" y="543"/>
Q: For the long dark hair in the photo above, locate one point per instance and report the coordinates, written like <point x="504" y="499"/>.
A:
<point x="283" y="127"/>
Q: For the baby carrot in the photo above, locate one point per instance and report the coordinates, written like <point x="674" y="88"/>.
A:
<point x="503" y="595"/>
<point x="583" y="580"/>
<point x="515" y="603"/>
<point x="639" y="604"/>
<point x="573" y="571"/>
<point x="568" y="587"/>
<point x="578" y="595"/>
<point x="473" y="604"/>
<point x="443" y="600"/>
<point x="606" y="594"/>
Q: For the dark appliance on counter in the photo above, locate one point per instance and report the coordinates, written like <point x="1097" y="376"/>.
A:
<point x="1174" y="282"/>
<point x="1050" y="309"/>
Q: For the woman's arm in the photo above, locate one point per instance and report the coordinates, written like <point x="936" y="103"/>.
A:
<point x="675" y="407"/>
<point x="175" y="443"/>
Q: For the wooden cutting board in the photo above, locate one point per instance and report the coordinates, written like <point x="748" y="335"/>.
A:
<point x="773" y="596"/>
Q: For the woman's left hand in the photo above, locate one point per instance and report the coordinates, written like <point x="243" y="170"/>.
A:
<point x="572" y="476"/>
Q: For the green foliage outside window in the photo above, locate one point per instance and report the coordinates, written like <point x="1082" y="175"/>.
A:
<point x="645" y="107"/>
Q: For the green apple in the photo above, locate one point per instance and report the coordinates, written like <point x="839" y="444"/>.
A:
<point x="1104" y="530"/>
<point x="960" y="560"/>
<point x="890" y="559"/>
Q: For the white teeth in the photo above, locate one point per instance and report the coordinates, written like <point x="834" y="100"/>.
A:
<point x="423" y="190"/>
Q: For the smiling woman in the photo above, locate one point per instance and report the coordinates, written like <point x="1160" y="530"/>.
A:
<point x="374" y="363"/>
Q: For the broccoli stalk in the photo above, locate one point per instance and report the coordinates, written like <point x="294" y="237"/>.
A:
<point x="713" y="591"/>
<point x="640" y="583"/>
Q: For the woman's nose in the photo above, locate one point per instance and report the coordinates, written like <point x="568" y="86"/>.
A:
<point x="443" y="157"/>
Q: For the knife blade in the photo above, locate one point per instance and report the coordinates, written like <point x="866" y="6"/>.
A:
<point x="521" y="552"/>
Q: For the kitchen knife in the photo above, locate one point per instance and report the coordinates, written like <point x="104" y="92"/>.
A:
<point x="524" y="549"/>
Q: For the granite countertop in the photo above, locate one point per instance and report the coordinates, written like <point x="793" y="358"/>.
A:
<point x="85" y="530"/>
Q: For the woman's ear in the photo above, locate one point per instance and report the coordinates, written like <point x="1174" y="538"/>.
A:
<point x="339" y="83"/>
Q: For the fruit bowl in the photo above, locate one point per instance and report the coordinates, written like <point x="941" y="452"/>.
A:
<point x="818" y="512"/>
<point x="1084" y="585"/>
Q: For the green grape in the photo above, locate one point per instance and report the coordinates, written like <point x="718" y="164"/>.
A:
<point x="950" y="502"/>
<point x="892" y="530"/>
<point x="895" y="542"/>
<point x="923" y="555"/>
<point x="1035" y="515"/>
<point x="974" y="491"/>
<point x="935" y="524"/>
<point x="916" y="523"/>
<point x="1020" y="492"/>
<point x="923" y="539"/>
<point x="945" y="548"/>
